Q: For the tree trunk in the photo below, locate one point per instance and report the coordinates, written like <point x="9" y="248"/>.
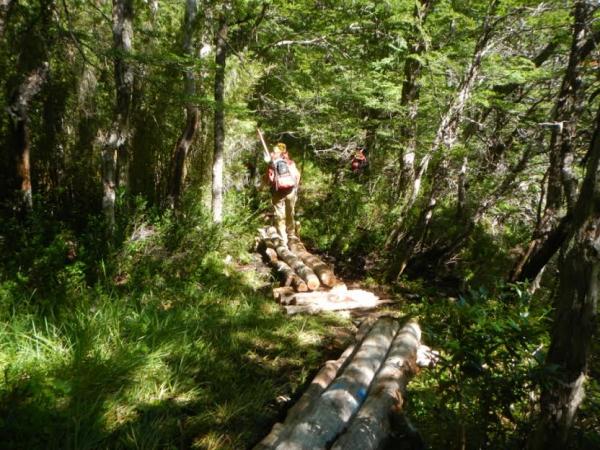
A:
<point x="567" y="110"/>
<point x="219" y="124"/>
<point x="18" y="112"/>
<point x="286" y="274"/>
<point x="114" y="143"/>
<point x="122" y="16"/>
<point x="340" y="401"/>
<point x="305" y="272"/>
<point x="410" y="95"/>
<point x="461" y="201"/>
<point x="572" y="330"/>
<point x="334" y="300"/>
<point x="32" y="47"/>
<point x="561" y="181"/>
<point x="179" y="158"/>
<point x="445" y="138"/>
<point x="322" y="270"/>
<point x="407" y="245"/>
<point x="346" y="304"/>
<point x="570" y="224"/>
<point x="371" y="426"/>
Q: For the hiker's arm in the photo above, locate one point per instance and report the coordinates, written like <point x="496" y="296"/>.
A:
<point x="266" y="154"/>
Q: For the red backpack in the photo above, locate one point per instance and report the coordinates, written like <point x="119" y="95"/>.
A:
<point x="280" y="175"/>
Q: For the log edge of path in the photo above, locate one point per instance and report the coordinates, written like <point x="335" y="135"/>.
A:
<point x="321" y="425"/>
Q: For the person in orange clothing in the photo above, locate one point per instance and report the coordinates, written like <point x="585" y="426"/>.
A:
<point x="359" y="161"/>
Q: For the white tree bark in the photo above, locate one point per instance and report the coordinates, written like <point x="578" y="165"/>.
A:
<point x="219" y="124"/>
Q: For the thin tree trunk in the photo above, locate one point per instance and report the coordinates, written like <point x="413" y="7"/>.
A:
<point x="506" y="91"/>
<point x="124" y="81"/>
<point x="446" y="134"/>
<point x="178" y="162"/>
<point x="219" y="124"/>
<point x="406" y="247"/>
<point x="570" y="224"/>
<point x="109" y="190"/>
<point x="461" y="200"/>
<point x="32" y="72"/>
<point x="410" y="95"/>
<point x="444" y="253"/>
<point x="566" y="112"/>
<point x="445" y="138"/>
<point x="115" y="158"/>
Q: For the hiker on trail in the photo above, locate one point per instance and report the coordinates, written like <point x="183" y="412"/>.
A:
<point x="359" y="161"/>
<point x="284" y="179"/>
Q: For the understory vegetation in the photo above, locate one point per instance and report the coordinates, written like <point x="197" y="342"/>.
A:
<point x="172" y="339"/>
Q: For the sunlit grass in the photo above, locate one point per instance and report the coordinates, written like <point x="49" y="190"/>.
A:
<point x="196" y="365"/>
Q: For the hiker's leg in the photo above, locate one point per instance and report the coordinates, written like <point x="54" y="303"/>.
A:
<point x="278" y="202"/>
<point x="290" y="207"/>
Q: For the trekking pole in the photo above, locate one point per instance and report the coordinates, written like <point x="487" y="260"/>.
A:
<point x="266" y="154"/>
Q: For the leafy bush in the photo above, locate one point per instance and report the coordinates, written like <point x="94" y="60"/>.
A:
<point x="484" y="387"/>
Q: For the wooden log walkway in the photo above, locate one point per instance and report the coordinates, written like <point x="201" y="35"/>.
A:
<point x="348" y="404"/>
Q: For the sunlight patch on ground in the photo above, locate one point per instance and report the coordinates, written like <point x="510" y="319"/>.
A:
<point x="308" y="338"/>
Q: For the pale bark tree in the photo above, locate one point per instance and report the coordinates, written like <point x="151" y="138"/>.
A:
<point x="219" y="119"/>
<point x="124" y="81"/>
<point x="179" y="158"/>
<point x="445" y="139"/>
<point x="115" y="160"/>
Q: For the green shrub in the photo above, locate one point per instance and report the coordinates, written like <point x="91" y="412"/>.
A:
<point x="482" y="389"/>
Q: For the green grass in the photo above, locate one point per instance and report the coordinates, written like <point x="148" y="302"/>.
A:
<point x="200" y="370"/>
<point x="175" y="345"/>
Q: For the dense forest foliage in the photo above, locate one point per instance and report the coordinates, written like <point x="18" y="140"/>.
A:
<point x="134" y="313"/>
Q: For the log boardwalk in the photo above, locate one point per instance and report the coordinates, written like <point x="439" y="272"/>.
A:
<point x="271" y="240"/>
<point x="348" y="403"/>
<point x="302" y="271"/>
